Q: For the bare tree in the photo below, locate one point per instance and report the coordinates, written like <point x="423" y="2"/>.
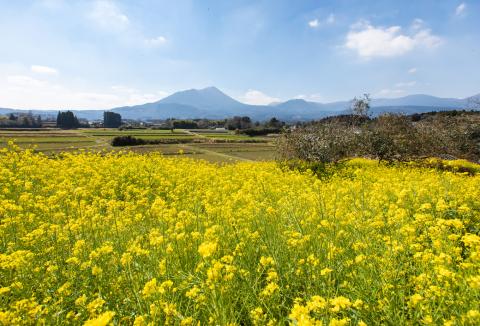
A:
<point x="361" y="105"/>
<point x="474" y="102"/>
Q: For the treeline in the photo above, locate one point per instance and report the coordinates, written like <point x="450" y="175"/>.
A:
<point x="273" y="126"/>
<point x="239" y="123"/>
<point x="21" y="121"/>
<point x="134" y="141"/>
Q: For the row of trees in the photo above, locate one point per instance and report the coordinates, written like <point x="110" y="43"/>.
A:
<point x="234" y="123"/>
<point x="239" y="123"/>
<point x="21" y="121"/>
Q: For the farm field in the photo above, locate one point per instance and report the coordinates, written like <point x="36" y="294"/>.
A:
<point x="129" y="238"/>
<point x="201" y="144"/>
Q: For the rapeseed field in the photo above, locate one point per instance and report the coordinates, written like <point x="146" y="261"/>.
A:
<point x="124" y="239"/>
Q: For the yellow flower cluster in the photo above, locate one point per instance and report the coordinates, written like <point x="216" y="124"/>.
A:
<point x="97" y="239"/>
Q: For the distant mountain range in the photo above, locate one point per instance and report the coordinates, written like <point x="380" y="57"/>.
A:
<point x="212" y="103"/>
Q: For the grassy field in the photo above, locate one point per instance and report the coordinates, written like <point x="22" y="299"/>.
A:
<point x="211" y="145"/>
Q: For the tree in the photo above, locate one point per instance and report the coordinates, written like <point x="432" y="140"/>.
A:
<point x="361" y="105"/>
<point x="184" y="124"/>
<point x="239" y="123"/>
<point x="26" y="121"/>
<point x="67" y="120"/>
<point x="274" y="123"/>
<point x="112" y="120"/>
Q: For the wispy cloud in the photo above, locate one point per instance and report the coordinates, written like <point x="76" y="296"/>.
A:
<point x="134" y="96"/>
<point x="43" y="70"/>
<point x="109" y="17"/>
<point x="23" y="91"/>
<point x="106" y="14"/>
<point x="412" y="70"/>
<point x="369" y="41"/>
<point x="52" y="4"/>
<point x="22" y="81"/>
<point x="387" y="92"/>
<point x="256" y="97"/>
<point x="316" y="23"/>
<point x="460" y="10"/>
<point x="399" y="89"/>
<point x="156" y="41"/>
<point x="406" y="84"/>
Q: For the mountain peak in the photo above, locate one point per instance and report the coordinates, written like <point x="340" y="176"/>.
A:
<point x="210" y="98"/>
<point x="210" y="88"/>
<point x="296" y="100"/>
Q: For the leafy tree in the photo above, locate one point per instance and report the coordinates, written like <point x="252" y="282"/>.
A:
<point x="67" y="120"/>
<point x="112" y="120"/>
<point x="274" y="123"/>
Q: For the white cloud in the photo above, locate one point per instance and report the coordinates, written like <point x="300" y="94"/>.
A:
<point x="43" y="70"/>
<point x="122" y="88"/>
<point x="315" y="23"/>
<point x="417" y="24"/>
<point x="20" y="81"/>
<point x="156" y="41"/>
<point x="106" y="14"/>
<point x="390" y="92"/>
<point x="424" y="38"/>
<point x="26" y="92"/>
<point x="397" y="90"/>
<point x="133" y="96"/>
<point x="369" y="41"/>
<point x="460" y="10"/>
<point x="256" y="97"/>
<point x="406" y="84"/>
<point x="412" y="70"/>
<point x="310" y="97"/>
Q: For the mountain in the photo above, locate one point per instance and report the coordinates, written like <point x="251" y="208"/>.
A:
<point x="212" y="103"/>
<point x="420" y="100"/>
<point x="157" y="110"/>
<point x="210" y="99"/>
<point x="5" y="111"/>
<point x="208" y="103"/>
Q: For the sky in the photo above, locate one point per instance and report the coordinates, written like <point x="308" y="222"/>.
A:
<point x="99" y="54"/>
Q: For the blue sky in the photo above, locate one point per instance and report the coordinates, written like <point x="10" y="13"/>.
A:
<point x="106" y="53"/>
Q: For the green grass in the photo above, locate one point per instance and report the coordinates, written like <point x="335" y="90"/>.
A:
<point x="36" y="140"/>
<point x="56" y="140"/>
<point x="116" y="132"/>
<point x="230" y="136"/>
